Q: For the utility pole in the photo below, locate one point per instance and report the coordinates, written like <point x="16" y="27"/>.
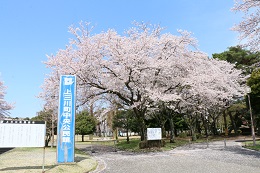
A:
<point x="252" y="120"/>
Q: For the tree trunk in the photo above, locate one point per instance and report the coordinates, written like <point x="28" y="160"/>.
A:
<point x="142" y="133"/>
<point x="193" y="129"/>
<point x="258" y="131"/>
<point x="82" y="138"/>
<point x="99" y="130"/>
<point x="205" y="125"/>
<point x="233" y="123"/>
<point x="127" y="136"/>
<point x="47" y="140"/>
<point x="163" y="129"/>
<point x="115" y="134"/>
<point x="225" y="123"/>
<point x="140" y="116"/>
<point x="198" y="125"/>
<point x="171" y="130"/>
<point x="91" y="110"/>
<point x="175" y="131"/>
<point x="193" y="134"/>
<point x="213" y="126"/>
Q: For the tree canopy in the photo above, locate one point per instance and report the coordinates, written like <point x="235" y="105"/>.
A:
<point x="4" y="106"/>
<point x="47" y="117"/>
<point x="254" y="83"/>
<point x="85" y="124"/>
<point x="248" y="62"/>
<point x="242" y="58"/>
<point x="249" y="27"/>
<point x="142" y="67"/>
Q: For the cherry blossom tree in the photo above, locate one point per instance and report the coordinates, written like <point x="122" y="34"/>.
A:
<point x="249" y="27"/>
<point x="4" y="106"/>
<point x="141" y="67"/>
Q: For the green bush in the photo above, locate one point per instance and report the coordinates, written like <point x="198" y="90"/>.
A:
<point x="183" y="135"/>
<point x="198" y="136"/>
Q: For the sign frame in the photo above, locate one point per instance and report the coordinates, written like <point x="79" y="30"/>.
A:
<point x="154" y="134"/>
<point x="22" y="133"/>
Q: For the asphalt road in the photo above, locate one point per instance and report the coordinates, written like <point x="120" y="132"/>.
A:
<point x="197" y="158"/>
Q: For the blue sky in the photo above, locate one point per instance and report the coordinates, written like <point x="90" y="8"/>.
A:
<point x="32" y="29"/>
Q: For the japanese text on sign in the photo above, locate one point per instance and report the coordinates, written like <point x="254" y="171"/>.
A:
<point x="66" y="119"/>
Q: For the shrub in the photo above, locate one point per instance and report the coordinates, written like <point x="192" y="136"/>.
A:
<point x="198" y="136"/>
<point x="183" y="135"/>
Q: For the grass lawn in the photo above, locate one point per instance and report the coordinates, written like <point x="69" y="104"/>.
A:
<point x="249" y="145"/>
<point x="21" y="160"/>
<point x="133" y="145"/>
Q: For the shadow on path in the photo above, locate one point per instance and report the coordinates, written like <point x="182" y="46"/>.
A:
<point x="26" y="168"/>
<point x="3" y="150"/>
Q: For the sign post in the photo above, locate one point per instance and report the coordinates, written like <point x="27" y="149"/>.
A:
<point x="154" y="137"/>
<point x="66" y="119"/>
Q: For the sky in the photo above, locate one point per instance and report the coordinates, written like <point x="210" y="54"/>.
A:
<point x="32" y="29"/>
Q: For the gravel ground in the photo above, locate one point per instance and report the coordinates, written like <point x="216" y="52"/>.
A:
<point x="196" y="158"/>
<point x="25" y="160"/>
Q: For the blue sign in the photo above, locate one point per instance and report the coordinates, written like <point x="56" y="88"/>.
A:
<point x="66" y="119"/>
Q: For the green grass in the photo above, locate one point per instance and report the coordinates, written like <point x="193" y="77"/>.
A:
<point x="249" y="145"/>
<point x="178" y="142"/>
<point x="133" y="145"/>
<point x="78" y="151"/>
<point x="257" y="147"/>
<point x="31" y="149"/>
<point x="97" y="142"/>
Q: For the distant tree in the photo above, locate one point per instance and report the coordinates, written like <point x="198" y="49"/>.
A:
<point x="243" y="59"/>
<point x="26" y="118"/>
<point x="170" y="115"/>
<point x="247" y="61"/>
<point x="237" y="113"/>
<point x="85" y="124"/>
<point x="249" y="27"/>
<point x="254" y="83"/>
<point x="4" y="106"/>
<point x="124" y="119"/>
<point x="45" y="116"/>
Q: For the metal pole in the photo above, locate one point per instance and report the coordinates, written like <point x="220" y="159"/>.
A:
<point x="115" y="145"/>
<point x="252" y="121"/>
<point x="52" y="132"/>
<point x="52" y="123"/>
<point x="43" y="162"/>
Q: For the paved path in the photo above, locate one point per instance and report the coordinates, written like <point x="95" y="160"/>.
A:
<point x="196" y="158"/>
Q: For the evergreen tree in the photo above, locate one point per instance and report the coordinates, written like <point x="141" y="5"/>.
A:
<point x="85" y="124"/>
